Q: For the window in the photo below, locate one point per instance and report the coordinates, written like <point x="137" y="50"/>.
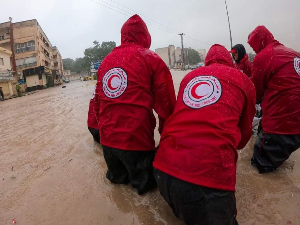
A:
<point x="1" y="37"/>
<point x="1" y="61"/>
<point x="25" y="47"/>
<point x="26" y="62"/>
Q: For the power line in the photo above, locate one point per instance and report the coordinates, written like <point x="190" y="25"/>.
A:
<point x="146" y="17"/>
<point x="150" y="22"/>
<point x="127" y="13"/>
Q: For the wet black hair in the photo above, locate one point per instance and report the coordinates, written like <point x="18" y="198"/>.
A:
<point x="241" y="52"/>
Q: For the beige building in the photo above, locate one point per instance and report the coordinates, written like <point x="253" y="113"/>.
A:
<point x="167" y="54"/>
<point x="66" y="73"/>
<point x="202" y="54"/>
<point x="171" y="56"/>
<point x="32" y="49"/>
<point x="6" y="77"/>
<point x="57" y="60"/>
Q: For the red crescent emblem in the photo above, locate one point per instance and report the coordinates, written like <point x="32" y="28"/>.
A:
<point x="109" y="82"/>
<point x="193" y="91"/>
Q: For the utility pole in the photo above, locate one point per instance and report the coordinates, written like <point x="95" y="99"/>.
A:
<point x="182" y="50"/>
<point x="229" y="25"/>
<point x="13" y="59"/>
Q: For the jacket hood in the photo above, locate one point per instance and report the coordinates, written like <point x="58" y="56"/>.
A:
<point x="218" y="54"/>
<point x="259" y="38"/>
<point x="134" y="30"/>
<point x="241" y="52"/>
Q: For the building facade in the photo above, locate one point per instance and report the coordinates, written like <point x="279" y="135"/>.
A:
<point x="57" y="61"/>
<point x="202" y="54"/>
<point x="32" y="50"/>
<point x="172" y="56"/>
<point x="6" y="77"/>
<point x="167" y="54"/>
<point x="66" y="73"/>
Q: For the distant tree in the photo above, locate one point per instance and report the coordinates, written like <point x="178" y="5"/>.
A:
<point x="192" y="56"/>
<point x="98" y="52"/>
<point x="68" y="63"/>
<point x="80" y="65"/>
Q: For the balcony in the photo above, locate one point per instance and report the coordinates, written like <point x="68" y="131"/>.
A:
<point x="4" y="41"/>
<point x="6" y="75"/>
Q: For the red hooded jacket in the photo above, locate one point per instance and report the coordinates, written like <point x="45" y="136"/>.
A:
<point x="244" y="66"/>
<point x="132" y="81"/>
<point x="92" y="120"/>
<point x="212" y="118"/>
<point x="276" y="76"/>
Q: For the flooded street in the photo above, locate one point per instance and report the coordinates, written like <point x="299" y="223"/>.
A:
<point x="52" y="172"/>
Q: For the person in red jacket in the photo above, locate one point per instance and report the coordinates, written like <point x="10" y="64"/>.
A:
<point x="240" y="57"/>
<point x="276" y="76"/>
<point x="92" y="120"/>
<point x="195" y="165"/>
<point x="132" y="81"/>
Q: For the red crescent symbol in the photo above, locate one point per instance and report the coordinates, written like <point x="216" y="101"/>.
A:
<point x="109" y="82"/>
<point x="193" y="91"/>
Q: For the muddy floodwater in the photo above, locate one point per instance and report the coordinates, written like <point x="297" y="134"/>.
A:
<point x="52" y="172"/>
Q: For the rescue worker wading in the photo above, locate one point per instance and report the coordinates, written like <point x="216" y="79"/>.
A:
<point x="276" y="76"/>
<point x="195" y="165"/>
<point x="92" y="120"/>
<point x="132" y="81"/>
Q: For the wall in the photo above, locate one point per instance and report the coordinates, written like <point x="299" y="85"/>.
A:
<point x="67" y="72"/>
<point x="32" y="80"/>
<point x="44" y="44"/>
<point x="6" y="88"/>
<point x="44" y="79"/>
<point x="5" y="32"/>
<point x="6" y="60"/>
<point x="23" y="33"/>
<point x="163" y="53"/>
<point x="74" y="77"/>
<point x="57" y="60"/>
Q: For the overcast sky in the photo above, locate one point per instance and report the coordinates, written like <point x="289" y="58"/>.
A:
<point x="73" y="25"/>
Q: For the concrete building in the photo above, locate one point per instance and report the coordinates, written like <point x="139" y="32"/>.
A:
<point x="178" y="61"/>
<point x="66" y="73"/>
<point x="168" y="55"/>
<point x="6" y="77"/>
<point x="202" y="54"/>
<point x="57" y="61"/>
<point x="32" y="50"/>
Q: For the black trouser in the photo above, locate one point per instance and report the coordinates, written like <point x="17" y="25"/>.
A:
<point x="134" y="167"/>
<point x="95" y="133"/>
<point x="271" y="150"/>
<point x="197" y="204"/>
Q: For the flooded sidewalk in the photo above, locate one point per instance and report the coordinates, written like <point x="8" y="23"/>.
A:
<point x="52" y="172"/>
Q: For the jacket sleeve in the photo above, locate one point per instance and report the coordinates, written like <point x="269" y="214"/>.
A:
<point x="97" y="96"/>
<point x="163" y="91"/>
<point x="247" y="116"/>
<point x="260" y="74"/>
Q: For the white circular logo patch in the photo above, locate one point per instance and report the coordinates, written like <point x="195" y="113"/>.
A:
<point x="114" y="82"/>
<point x="202" y="91"/>
<point x="297" y="65"/>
